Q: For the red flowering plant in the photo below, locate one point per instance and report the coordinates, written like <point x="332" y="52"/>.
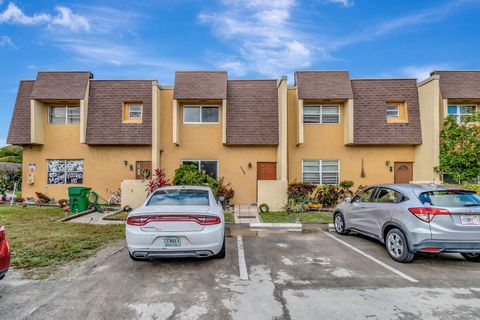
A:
<point x="159" y="180"/>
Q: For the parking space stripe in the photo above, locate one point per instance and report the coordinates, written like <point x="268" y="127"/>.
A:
<point x="242" y="265"/>
<point x="366" y="255"/>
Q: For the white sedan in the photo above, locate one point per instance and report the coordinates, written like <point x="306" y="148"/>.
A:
<point x="177" y="221"/>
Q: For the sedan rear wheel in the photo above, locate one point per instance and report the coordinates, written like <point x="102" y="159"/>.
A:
<point x="222" y="252"/>
<point x="473" y="257"/>
<point x="397" y="246"/>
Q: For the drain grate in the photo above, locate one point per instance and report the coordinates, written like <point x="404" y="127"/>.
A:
<point x="247" y="217"/>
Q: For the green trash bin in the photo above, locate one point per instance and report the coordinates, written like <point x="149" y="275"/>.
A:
<point x="79" y="199"/>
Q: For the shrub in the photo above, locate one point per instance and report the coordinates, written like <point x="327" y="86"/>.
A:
<point x="159" y="180"/>
<point x="188" y="174"/>
<point x="300" y="191"/>
<point x="360" y="188"/>
<point x="328" y="195"/>
<point x="263" y="208"/>
<point x="294" y="206"/>
<point x="62" y="203"/>
<point x="474" y="187"/>
<point x="19" y="200"/>
<point x="226" y="191"/>
<point x="42" y="198"/>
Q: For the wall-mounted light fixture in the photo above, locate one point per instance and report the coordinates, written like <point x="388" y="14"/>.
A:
<point x="387" y="163"/>
<point x="250" y="165"/>
<point x="131" y="167"/>
<point x="125" y="162"/>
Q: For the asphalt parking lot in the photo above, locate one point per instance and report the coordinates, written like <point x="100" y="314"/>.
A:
<point x="266" y="275"/>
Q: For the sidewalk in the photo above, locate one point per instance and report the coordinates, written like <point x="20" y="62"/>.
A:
<point x="246" y="214"/>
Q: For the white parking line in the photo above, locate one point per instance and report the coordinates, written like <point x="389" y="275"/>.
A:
<point x="366" y="255"/>
<point x="242" y="265"/>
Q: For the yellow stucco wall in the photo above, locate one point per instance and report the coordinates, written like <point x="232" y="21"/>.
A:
<point x="326" y="142"/>
<point x="103" y="165"/>
<point x="204" y="142"/>
<point x="431" y="114"/>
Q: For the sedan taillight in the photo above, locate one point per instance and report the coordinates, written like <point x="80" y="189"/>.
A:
<point x="200" y="219"/>
<point x="427" y="214"/>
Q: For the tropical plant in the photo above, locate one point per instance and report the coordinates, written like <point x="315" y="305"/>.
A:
<point x="328" y="195"/>
<point x="11" y="154"/>
<point x="8" y="178"/>
<point x="345" y="185"/>
<point x="294" y="206"/>
<point x="226" y="191"/>
<point x="300" y="191"/>
<point x="460" y="148"/>
<point x="159" y="180"/>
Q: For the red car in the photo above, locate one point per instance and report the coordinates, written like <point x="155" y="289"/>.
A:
<point x="4" y="253"/>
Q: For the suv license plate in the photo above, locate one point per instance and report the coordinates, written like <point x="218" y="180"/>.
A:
<point x="171" y="242"/>
<point x="470" y="220"/>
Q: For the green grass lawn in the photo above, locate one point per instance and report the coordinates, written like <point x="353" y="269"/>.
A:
<point x="40" y="244"/>
<point x="305" y="217"/>
<point x="229" y="217"/>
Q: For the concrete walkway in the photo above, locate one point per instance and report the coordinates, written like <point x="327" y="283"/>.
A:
<point x="246" y="214"/>
<point x="95" y="218"/>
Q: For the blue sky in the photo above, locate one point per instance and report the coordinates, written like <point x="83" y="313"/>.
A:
<point x="150" y="39"/>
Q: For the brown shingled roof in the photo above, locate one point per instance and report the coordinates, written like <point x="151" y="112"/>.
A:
<point x="252" y="112"/>
<point x="105" y="103"/>
<point x="191" y="85"/>
<point x="61" y="85"/>
<point x="323" y="85"/>
<point x="19" y="132"/>
<point x="459" y="84"/>
<point x="370" y="120"/>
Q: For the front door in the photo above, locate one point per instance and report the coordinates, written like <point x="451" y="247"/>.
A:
<point x="403" y="172"/>
<point x="266" y="171"/>
<point x="143" y="170"/>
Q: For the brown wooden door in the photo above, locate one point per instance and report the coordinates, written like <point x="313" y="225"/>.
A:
<point x="403" y="172"/>
<point x="143" y="170"/>
<point x="266" y="171"/>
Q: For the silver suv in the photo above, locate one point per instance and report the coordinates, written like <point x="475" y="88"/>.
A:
<point x="411" y="218"/>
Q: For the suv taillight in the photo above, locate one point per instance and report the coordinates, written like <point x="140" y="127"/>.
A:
<point x="427" y="214"/>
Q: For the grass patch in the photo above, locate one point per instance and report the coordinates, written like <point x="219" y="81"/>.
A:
<point x="120" y="215"/>
<point x="40" y="244"/>
<point x="305" y="217"/>
<point x="229" y="217"/>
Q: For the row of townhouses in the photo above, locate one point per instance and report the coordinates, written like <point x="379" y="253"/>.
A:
<point x="259" y="134"/>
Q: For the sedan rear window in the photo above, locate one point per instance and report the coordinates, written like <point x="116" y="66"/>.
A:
<point x="179" y="197"/>
<point x="450" y="198"/>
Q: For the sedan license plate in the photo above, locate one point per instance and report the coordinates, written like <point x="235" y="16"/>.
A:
<point x="171" y="242"/>
<point x="470" y="220"/>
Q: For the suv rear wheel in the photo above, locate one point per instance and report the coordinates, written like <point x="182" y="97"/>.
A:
<point x="397" y="246"/>
<point x="339" y="223"/>
<point x="474" y="257"/>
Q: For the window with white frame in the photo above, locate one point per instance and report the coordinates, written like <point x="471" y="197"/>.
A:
<point x="63" y="115"/>
<point x="321" y="114"/>
<point x="135" y="110"/>
<point x="65" y="172"/>
<point x="200" y="114"/>
<point x="321" y="171"/>
<point x="209" y="166"/>
<point x="393" y="110"/>
<point x="460" y="112"/>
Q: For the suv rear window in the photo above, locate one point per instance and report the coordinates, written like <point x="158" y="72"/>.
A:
<point x="450" y="198"/>
<point x="179" y="197"/>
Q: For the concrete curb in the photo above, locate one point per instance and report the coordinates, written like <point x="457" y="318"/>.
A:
<point x="276" y="225"/>
<point x="67" y="218"/>
<point x="331" y="227"/>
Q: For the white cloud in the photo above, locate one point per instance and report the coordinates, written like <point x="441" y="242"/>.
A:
<point x="345" y="3"/>
<point x="6" y="41"/>
<point x="422" y="72"/>
<point x="262" y="34"/>
<point x="3" y="142"/>
<point x="64" y="18"/>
